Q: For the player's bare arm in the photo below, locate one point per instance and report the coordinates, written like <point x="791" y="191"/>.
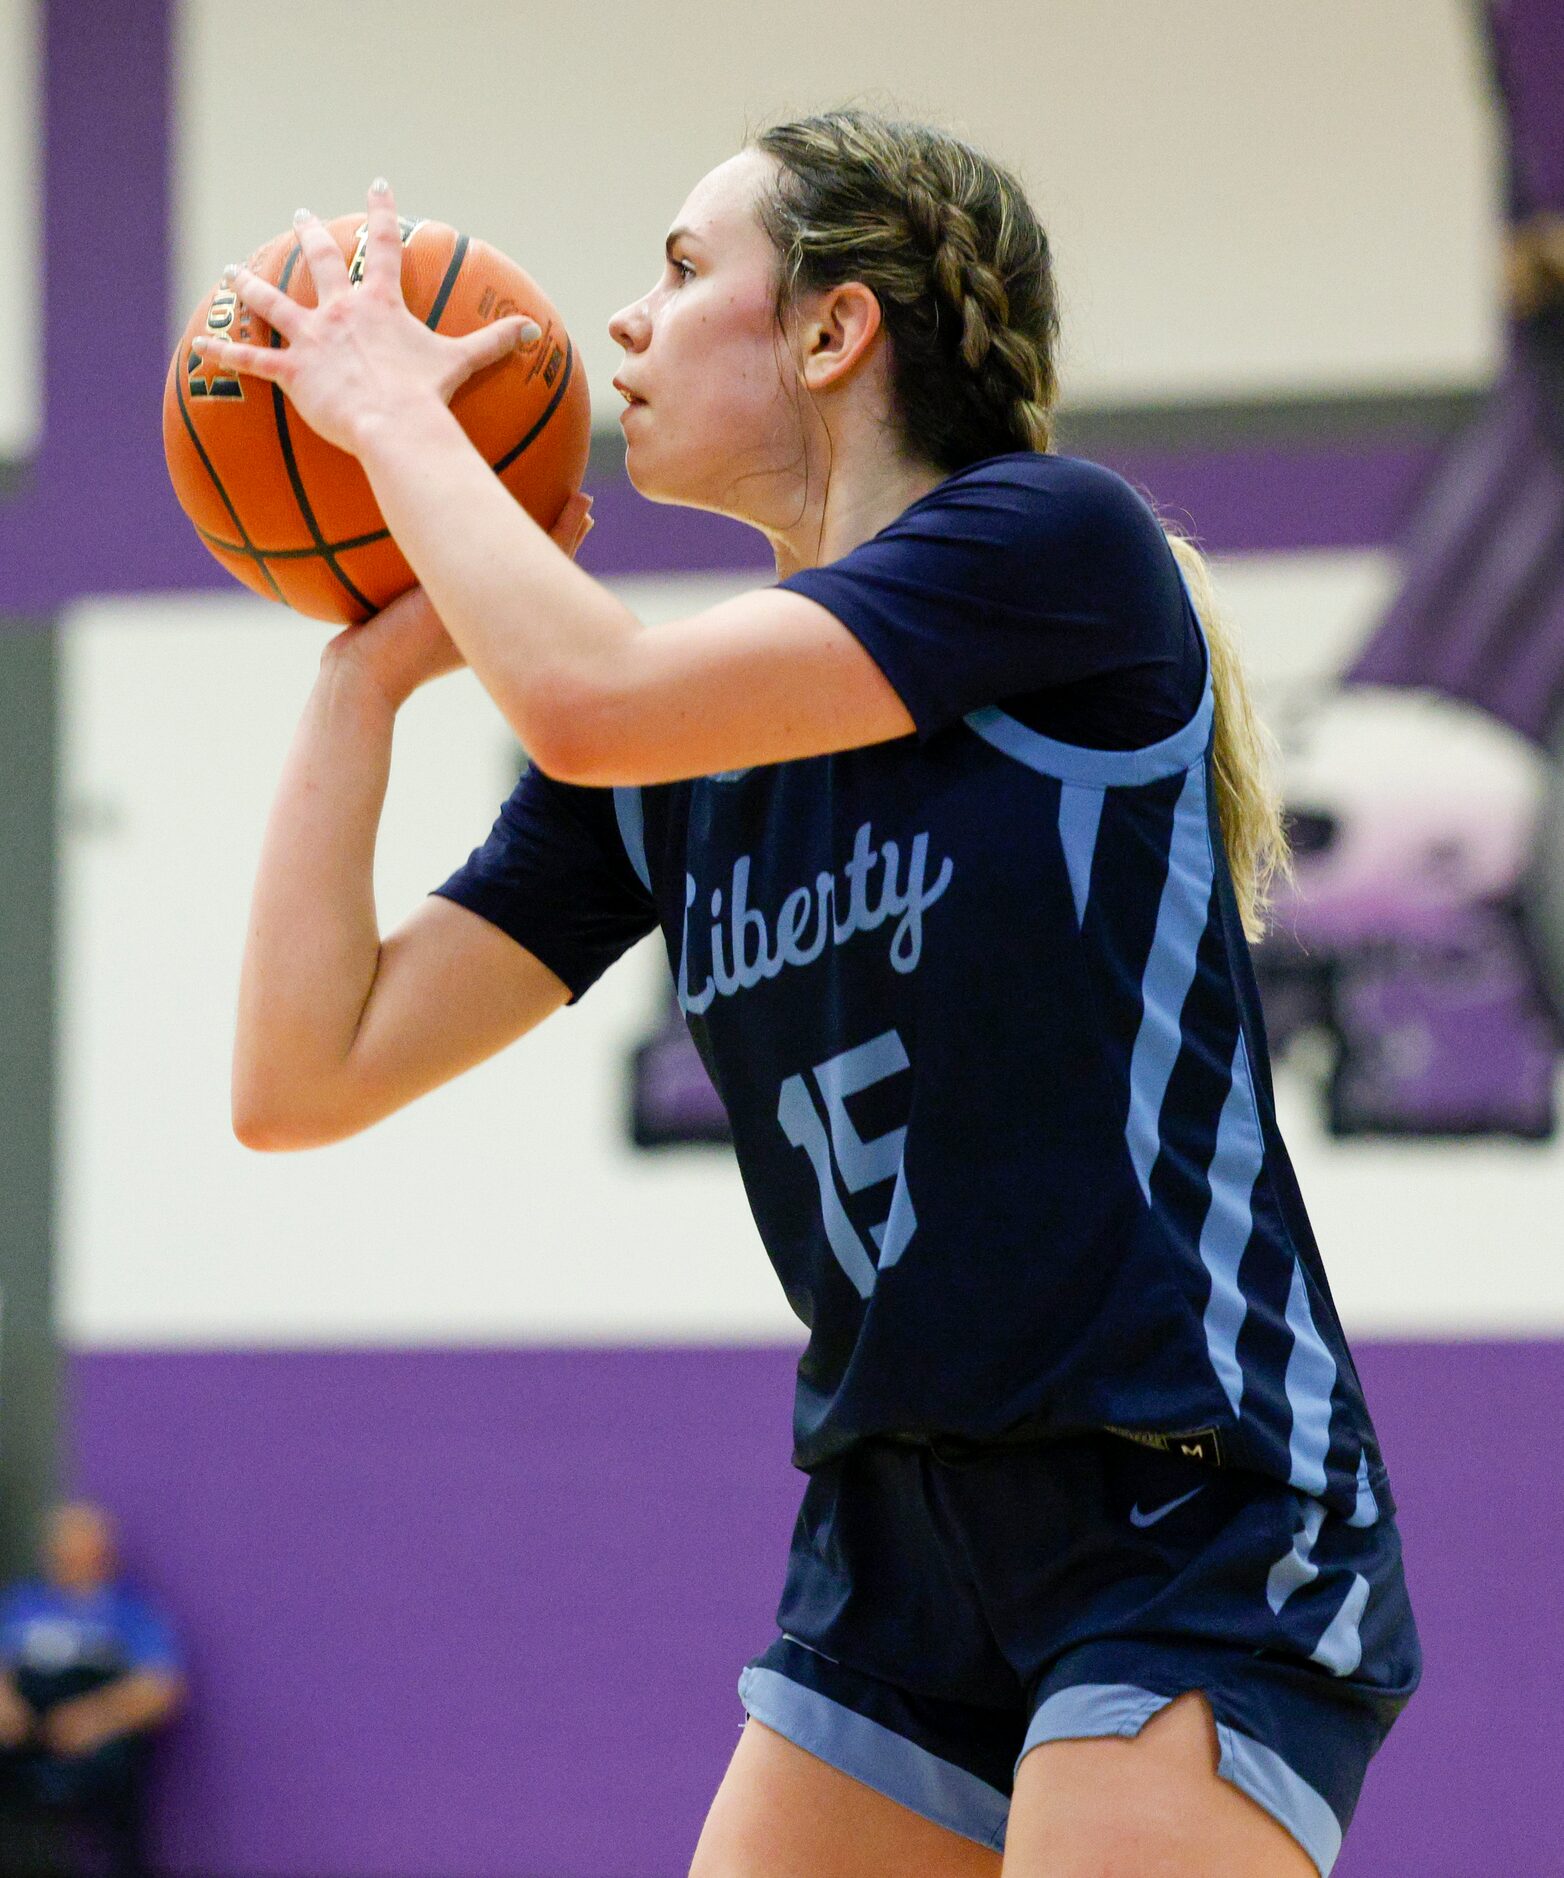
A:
<point x="592" y="694"/>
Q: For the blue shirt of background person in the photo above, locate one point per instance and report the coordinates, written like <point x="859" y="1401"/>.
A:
<point x="87" y="1657"/>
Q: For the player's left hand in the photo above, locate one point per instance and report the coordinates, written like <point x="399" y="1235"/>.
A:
<point x="358" y="357"/>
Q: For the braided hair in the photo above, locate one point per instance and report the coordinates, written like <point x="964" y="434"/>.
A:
<point x="949" y="245"/>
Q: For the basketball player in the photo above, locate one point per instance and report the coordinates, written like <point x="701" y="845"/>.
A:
<point x="953" y="836"/>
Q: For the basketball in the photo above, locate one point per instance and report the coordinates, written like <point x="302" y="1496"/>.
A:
<point x="294" y="517"/>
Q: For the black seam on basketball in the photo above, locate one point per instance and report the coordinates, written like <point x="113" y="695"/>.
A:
<point x="280" y="412"/>
<point x="553" y="405"/>
<point x="458" y="255"/>
<point x="290" y="554"/>
<point x="217" y="484"/>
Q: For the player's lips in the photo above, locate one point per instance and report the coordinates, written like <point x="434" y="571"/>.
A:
<point x="629" y="396"/>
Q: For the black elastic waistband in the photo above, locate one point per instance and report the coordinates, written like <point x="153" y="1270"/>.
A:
<point x="1195" y="1444"/>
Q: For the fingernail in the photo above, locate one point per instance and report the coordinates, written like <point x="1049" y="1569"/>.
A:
<point x="231" y="271"/>
<point x="530" y="334"/>
<point x="300" y="217"/>
<point x="199" y="343"/>
<point x="379" y="187"/>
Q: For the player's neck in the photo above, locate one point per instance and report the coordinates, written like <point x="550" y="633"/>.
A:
<point x="850" y="494"/>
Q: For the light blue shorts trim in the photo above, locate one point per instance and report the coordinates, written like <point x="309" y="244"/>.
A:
<point x="1092" y="1709"/>
<point x="876" y="1756"/>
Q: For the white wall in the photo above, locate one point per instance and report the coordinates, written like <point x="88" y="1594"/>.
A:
<point x="1244" y="197"/>
<point x="504" y="1207"/>
<point x="21" y="349"/>
<point x="507" y="1206"/>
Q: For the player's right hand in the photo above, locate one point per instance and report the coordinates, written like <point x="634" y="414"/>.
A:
<point x="405" y="644"/>
<point x="399" y="648"/>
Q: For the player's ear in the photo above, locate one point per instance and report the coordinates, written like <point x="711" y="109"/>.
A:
<point x="839" y="333"/>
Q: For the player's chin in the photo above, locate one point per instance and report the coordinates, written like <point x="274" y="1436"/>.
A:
<point x="654" y="470"/>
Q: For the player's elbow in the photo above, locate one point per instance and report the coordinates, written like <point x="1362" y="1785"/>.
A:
<point x="311" y="1110"/>
<point x="269" y="1135"/>
<point x="272" y="1127"/>
<point x="575" y="731"/>
<point x="265" y="1133"/>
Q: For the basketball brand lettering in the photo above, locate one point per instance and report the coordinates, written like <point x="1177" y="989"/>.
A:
<point x="219" y="317"/>
<point x="361" y="246"/>
<point x="744" y="948"/>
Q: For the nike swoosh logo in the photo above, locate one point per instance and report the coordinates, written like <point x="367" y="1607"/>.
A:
<point x="1138" y="1518"/>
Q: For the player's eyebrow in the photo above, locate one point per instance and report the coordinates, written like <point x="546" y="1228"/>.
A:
<point x="677" y="234"/>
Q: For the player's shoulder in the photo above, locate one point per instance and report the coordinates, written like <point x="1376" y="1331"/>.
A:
<point x="1050" y="475"/>
<point x="1041" y="494"/>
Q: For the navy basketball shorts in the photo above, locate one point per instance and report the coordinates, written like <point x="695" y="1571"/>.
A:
<point x="944" y="1614"/>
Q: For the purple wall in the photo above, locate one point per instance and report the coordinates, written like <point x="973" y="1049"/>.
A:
<point x="475" y="1614"/>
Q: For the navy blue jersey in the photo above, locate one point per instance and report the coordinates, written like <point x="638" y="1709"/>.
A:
<point x="979" y="1006"/>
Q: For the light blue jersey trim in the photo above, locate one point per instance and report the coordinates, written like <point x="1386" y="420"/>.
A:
<point x="1096" y="769"/>
<point x="632" y="832"/>
<point x="879" y="1757"/>
<point x="1090" y="1710"/>
<point x="1239" y="1156"/>
<point x="1229" y="1222"/>
<point x="1080" y="812"/>
<point x="1311" y="1375"/>
<point x="1296" y="1567"/>
<point x="1366" y="1512"/>
<point x="1340" y="1648"/>
<point x="1261" y="1772"/>
<point x="1106" y="769"/>
<point x="1170" y="971"/>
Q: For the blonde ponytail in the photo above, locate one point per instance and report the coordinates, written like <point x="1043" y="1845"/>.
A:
<point x="1249" y="803"/>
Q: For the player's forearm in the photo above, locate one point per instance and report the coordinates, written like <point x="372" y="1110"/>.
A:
<point x="313" y="944"/>
<point x="539" y="633"/>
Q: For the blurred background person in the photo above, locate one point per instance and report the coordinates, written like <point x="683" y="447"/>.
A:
<point x="91" y="1675"/>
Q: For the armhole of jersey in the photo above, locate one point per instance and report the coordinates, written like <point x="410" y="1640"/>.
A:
<point x="1106" y="769"/>
<point x="632" y="832"/>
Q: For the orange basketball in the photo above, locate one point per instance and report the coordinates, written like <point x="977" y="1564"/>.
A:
<point x="293" y="516"/>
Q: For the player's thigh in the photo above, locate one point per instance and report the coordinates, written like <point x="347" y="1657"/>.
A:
<point x="780" y="1813"/>
<point x="1151" y="1807"/>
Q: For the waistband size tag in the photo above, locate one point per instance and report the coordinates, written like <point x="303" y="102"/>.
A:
<point x="1198" y="1444"/>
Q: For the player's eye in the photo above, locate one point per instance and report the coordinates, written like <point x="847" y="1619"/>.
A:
<point x="682" y="270"/>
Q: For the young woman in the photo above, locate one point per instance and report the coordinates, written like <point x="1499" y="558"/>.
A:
<point x="953" y="836"/>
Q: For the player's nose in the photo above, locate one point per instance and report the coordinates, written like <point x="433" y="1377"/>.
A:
<point x="631" y="326"/>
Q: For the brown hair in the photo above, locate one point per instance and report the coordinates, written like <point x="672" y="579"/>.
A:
<point x="947" y="241"/>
